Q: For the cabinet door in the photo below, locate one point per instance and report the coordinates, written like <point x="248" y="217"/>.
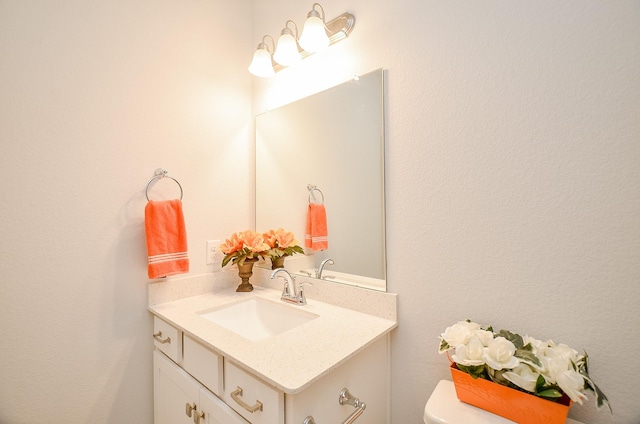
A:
<point x="173" y="390"/>
<point x="365" y="375"/>
<point x="216" y="411"/>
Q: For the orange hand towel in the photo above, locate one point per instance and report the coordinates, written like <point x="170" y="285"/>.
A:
<point x="316" y="234"/>
<point x="166" y="238"/>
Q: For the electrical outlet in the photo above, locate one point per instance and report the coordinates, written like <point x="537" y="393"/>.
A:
<point x="212" y="254"/>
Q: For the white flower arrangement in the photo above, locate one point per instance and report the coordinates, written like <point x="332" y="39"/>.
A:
<point x="544" y="369"/>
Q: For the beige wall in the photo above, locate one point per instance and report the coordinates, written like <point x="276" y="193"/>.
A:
<point x="513" y="175"/>
<point x="512" y="178"/>
<point x="93" y="97"/>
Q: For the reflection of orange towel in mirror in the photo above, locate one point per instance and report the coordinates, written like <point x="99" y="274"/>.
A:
<point x="315" y="235"/>
<point x="166" y="238"/>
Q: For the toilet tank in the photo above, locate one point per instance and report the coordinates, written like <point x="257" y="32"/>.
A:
<point x="443" y="407"/>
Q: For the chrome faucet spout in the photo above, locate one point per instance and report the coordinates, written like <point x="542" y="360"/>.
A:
<point x="290" y="293"/>
<point x="276" y="271"/>
<point x="327" y="261"/>
<point x="289" y="289"/>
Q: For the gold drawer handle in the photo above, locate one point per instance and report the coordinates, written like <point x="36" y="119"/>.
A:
<point x="189" y="408"/>
<point x="197" y="417"/>
<point x="158" y="337"/>
<point x="237" y="396"/>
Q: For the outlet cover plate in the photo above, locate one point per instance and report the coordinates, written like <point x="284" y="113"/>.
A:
<point x="213" y="256"/>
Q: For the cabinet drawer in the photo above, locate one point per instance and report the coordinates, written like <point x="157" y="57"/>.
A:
<point x="218" y="412"/>
<point x="253" y="393"/>
<point x="168" y="339"/>
<point x="203" y="363"/>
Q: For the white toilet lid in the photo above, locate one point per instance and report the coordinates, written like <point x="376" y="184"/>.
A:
<point x="443" y="407"/>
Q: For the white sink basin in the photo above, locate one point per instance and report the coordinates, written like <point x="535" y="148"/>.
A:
<point x="257" y="319"/>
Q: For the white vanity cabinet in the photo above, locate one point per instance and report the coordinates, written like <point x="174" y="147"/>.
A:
<point x="217" y="390"/>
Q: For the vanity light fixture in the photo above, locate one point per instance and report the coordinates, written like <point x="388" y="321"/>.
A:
<point x="262" y="63"/>
<point x="316" y="35"/>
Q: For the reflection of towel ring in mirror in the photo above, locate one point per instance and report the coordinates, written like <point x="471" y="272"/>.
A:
<point x="159" y="174"/>
<point x="313" y="188"/>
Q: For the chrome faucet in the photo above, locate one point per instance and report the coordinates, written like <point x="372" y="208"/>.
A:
<point x="322" y="265"/>
<point x="290" y="293"/>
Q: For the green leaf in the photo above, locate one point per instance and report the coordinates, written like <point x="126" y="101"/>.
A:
<point x="226" y="260"/>
<point x="527" y="356"/>
<point x="550" y="393"/>
<point x="527" y="347"/>
<point x="444" y="346"/>
<point x="601" y="398"/>
<point x="497" y="377"/>
<point x="584" y="369"/>
<point x="475" y="371"/>
<point x="514" y="338"/>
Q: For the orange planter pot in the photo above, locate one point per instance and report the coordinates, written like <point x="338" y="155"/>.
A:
<point x="509" y="403"/>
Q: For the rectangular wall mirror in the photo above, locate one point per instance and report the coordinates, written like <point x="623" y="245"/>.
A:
<point x="333" y="140"/>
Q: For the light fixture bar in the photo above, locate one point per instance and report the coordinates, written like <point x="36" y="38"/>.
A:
<point x="337" y="29"/>
<point x="340" y="27"/>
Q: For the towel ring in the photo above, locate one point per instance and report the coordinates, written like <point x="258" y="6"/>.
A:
<point x="313" y="188"/>
<point x="157" y="175"/>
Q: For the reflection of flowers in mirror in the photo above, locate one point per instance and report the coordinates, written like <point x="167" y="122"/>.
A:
<point x="281" y="243"/>
<point x="542" y="368"/>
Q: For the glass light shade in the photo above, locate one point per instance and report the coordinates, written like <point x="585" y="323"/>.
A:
<point x="261" y="65"/>
<point x="314" y="36"/>
<point x="287" y="50"/>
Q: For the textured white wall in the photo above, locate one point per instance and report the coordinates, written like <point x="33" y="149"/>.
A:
<point x="513" y="174"/>
<point x="95" y="96"/>
<point x="512" y="178"/>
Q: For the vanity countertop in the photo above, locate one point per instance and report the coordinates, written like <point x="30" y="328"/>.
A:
<point x="290" y="361"/>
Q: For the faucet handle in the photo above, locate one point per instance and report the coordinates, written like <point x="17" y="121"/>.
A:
<point x="302" y="298"/>
<point x="286" y="290"/>
<point x="289" y="289"/>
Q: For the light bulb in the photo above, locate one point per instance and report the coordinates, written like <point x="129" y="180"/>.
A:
<point x="261" y="65"/>
<point x="287" y="50"/>
<point x="314" y="36"/>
